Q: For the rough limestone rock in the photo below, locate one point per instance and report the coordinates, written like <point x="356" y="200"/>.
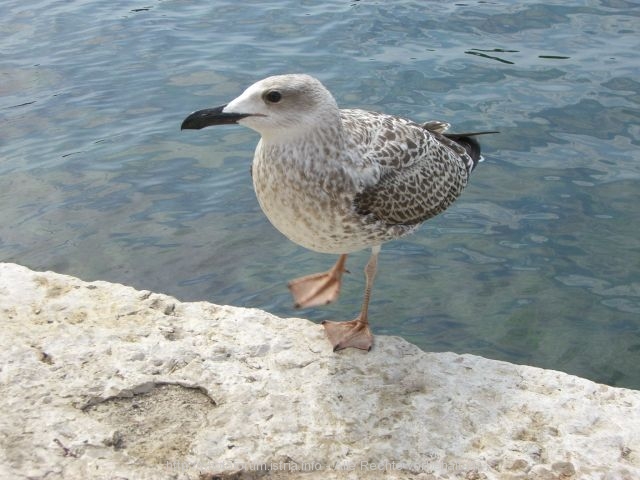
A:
<point x="102" y="381"/>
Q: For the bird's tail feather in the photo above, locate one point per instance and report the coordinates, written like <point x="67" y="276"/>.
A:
<point x="470" y="144"/>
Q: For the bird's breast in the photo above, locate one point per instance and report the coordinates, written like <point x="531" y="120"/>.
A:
<point x="312" y="202"/>
<point x="311" y="209"/>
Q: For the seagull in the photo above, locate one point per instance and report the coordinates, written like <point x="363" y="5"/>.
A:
<point x="341" y="180"/>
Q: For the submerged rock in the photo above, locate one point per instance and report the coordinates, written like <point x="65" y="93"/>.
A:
<point x="100" y="381"/>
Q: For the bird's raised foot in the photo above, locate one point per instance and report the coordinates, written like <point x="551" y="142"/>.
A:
<point x="314" y="290"/>
<point x="354" y="334"/>
<point x="318" y="288"/>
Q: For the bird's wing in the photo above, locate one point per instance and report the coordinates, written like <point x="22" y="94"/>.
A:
<point x="418" y="171"/>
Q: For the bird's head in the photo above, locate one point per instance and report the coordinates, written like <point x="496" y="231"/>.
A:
<point x="281" y="106"/>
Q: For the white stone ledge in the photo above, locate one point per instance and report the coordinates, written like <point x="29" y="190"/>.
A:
<point x="101" y="381"/>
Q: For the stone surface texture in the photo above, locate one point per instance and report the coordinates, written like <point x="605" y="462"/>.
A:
<point x="102" y="381"/>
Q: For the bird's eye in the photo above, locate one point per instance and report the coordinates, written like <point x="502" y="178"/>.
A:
<point x="273" y="96"/>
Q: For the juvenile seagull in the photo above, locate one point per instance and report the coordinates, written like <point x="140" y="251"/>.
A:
<point x="337" y="181"/>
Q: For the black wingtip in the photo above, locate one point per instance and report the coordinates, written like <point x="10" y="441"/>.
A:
<point x="470" y="144"/>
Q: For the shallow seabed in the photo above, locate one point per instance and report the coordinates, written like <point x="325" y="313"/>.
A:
<point x="537" y="263"/>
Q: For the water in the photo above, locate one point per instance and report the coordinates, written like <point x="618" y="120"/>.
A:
<point x="537" y="263"/>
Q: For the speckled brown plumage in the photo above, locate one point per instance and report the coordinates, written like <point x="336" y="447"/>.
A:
<point x="420" y="174"/>
<point x="362" y="180"/>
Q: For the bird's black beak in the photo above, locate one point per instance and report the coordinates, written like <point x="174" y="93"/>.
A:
<point x="211" y="116"/>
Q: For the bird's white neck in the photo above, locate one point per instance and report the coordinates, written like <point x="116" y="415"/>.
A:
<point x="317" y="148"/>
<point x="324" y="124"/>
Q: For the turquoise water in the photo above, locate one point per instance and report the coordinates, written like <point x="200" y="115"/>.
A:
<point x="537" y="263"/>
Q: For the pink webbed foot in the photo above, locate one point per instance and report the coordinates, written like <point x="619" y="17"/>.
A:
<point x="319" y="288"/>
<point x="352" y="334"/>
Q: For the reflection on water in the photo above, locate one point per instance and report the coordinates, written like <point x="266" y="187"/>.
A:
<point x="537" y="263"/>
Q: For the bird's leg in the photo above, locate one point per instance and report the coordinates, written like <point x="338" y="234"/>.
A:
<point x="356" y="333"/>
<point x="319" y="288"/>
